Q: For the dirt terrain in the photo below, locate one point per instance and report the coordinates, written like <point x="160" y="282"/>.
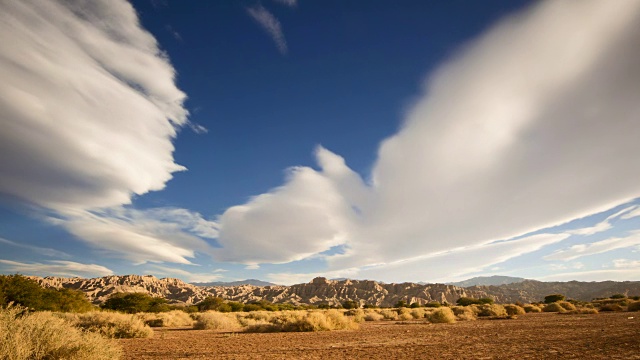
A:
<point x="530" y="336"/>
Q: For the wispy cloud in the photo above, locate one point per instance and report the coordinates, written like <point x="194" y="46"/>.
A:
<point x="605" y="225"/>
<point x="594" y="275"/>
<point x="520" y="131"/>
<point x="37" y="249"/>
<point x="291" y="3"/>
<point x="55" y="268"/>
<point x="626" y="264"/>
<point x="70" y="89"/>
<point x="598" y="247"/>
<point x="270" y="24"/>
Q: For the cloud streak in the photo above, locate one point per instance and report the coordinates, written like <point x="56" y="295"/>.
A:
<point x="598" y="247"/>
<point x="55" y="268"/>
<point x="37" y="249"/>
<point x="520" y="131"/>
<point x="270" y="24"/>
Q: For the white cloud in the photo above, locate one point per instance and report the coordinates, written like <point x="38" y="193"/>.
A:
<point x="530" y="126"/>
<point x="598" y="247"/>
<point x="55" y="268"/>
<point x="37" y="249"/>
<point x="270" y="24"/>
<point x="594" y="275"/>
<point x="631" y="214"/>
<point x="291" y="3"/>
<point x="626" y="264"/>
<point x="183" y="274"/>
<point x="605" y="225"/>
<point x="89" y="105"/>
<point x="155" y="235"/>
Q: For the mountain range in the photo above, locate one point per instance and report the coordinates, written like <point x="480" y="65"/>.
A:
<point x="321" y="290"/>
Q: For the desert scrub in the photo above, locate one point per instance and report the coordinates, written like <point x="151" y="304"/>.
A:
<point x="530" y="308"/>
<point x="442" y="315"/>
<point x="611" y="307"/>
<point x="213" y="320"/>
<point x="554" y="307"/>
<point x="114" y="325"/>
<point x="580" y="310"/>
<point x="174" y="318"/>
<point x="567" y="305"/>
<point x="372" y="315"/>
<point x="634" y="306"/>
<point x="404" y="314"/>
<point x="493" y="310"/>
<point x="513" y="309"/>
<point x="389" y="314"/>
<point x="42" y="335"/>
<point x="464" y="313"/>
<point x="356" y="314"/>
<point x="306" y="321"/>
<point x="418" y="313"/>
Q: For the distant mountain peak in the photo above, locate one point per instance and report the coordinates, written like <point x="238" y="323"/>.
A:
<point x="254" y="282"/>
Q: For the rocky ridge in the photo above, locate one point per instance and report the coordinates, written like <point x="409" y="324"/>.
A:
<point x="320" y="290"/>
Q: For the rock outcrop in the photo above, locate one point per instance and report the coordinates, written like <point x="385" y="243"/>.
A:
<point x="323" y="291"/>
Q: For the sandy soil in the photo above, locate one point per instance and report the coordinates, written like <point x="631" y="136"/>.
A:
<point x="530" y="336"/>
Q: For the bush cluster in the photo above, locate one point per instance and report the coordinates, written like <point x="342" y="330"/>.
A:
<point x="132" y="303"/>
<point x="22" y="291"/>
<point x="466" y="301"/>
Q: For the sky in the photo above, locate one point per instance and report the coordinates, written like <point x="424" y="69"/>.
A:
<point x="287" y="139"/>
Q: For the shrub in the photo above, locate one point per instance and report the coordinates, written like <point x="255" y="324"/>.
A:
<point x="553" y="298"/>
<point x="464" y="313"/>
<point x="372" y="315"/>
<point x="514" y="309"/>
<point x="418" y="313"/>
<point x="554" y="307"/>
<point x="433" y="304"/>
<point x="356" y="314"/>
<point x="174" y="318"/>
<point x="41" y="335"/>
<point x="618" y="296"/>
<point x="132" y="303"/>
<point x="389" y="314"/>
<point x="305" y="321"/>
<point x="611" y="307"/>
<point x="210" y="303"/>
<point x="400" y="304"/>
<point x="414" y="305"/>
<point x="20" y="290"/>
<point x="493" y="310"/>
<point x="349" y="304"/>
<point x="213" y="320"/>
<point x="442" y="315"/>
<point x="582" y="310"/>
<point x="404" y="314"/>
<point x="530" y="308"/>
<point x="567" y="305"/>
<point x="634" y="306"/>
<point x="466" y="301"/>
<point x="114" y="325"/>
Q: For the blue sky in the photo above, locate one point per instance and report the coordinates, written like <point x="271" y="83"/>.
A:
<point x="283" y="140"/>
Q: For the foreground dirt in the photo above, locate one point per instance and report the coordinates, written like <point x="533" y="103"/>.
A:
<point x="531" y="336"/>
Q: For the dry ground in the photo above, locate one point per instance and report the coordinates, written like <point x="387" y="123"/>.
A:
<point x="531" y="336"/>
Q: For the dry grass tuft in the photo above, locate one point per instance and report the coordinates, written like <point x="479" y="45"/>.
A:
<point x="464" y="313"/>
<point x="419" y="313"/>
<point x="174" y="318"/>
<point x="442" y="315"/>
<point x="634" y="306"/>
<point x="389" y="314"/>
<point x="42" y="335"/>
<point x="305" y="321"/>
<point x="513" y="309"/>
<point x="114" y="325"/>
<point x="213" y="320"/>
<point x="567" y="305"/>
<point x="530" y="308"/>
<point x="554" y="307"/>
<point x="581" y="310"/>
<point x="490" y="310"/>
<point x="404" y="314"/>
<point x="356" y="314"/>
<point x="372" y="315"/>
<point x="611" y="307"/>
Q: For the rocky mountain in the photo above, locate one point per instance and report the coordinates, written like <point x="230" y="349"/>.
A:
<point x="320" y="290"/>
<point x="253" y="282"/>
<point x="488" y="280"/>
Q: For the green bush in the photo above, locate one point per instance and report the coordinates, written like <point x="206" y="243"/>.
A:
<point x="22" y="291"/>
<point x="400" y="304"/>
<point x="553" y="298"/>
<point x="466" y="301"/>
<point x="210" y="303"/>
<point x="433" y="304"/>
<point x="132" y="303"/>
<point x="350" y="304"/>
<point x="618" y="296"/>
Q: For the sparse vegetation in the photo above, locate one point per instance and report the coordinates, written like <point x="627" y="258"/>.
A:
<point x="490" y="310"/>
<point x="554" y="307"/>
<point x="442" y="315"/>
<point x="213" y="320"/>
<point x="634" y="306"/>
<point x="113" y="325"/>
<point x="464" y="313"/>
<point x="553" y="298"/>
<point x="173" y="318"/>
<point x="513" y="310"/>
<point x="466" y="301"/>
<point x="22" y="291"/>
<point x="531" y="308"/>
<point x="42" y="335"/>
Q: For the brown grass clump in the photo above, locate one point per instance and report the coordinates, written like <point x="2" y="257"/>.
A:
<point x="356" y="314"/>
<point x="514" y="309"/>
<point x="213" y="320"/>
<point x="372" y="315"/>
<point x="464" y="313"/>
<point x="306" y="321"/>
<point x="419" y="313"/>
<point x="567" y="305"/>
<point x="389" y="314"/>
<point x="442" y="315"/>
<point x="580" y="310"/>
<point x="42" y="335"/>
<point x="554" y="307"/>
<point x="174" y="318"/>
<point x="490" y="310"/>
<point x="530" y="308"/>
<point x="634" y="306"/>
<point x="611" y="307"/>
<point x="114" y="325"/>
<point x="404" y="314"/>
